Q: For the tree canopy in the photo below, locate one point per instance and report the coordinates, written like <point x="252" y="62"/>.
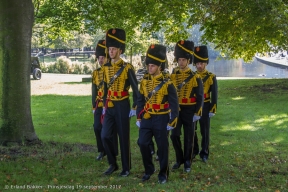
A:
<point x="238" y="28"/>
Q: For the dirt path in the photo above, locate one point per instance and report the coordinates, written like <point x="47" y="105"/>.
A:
<point x="58" y="84"/>
<point x="51" y="83"/>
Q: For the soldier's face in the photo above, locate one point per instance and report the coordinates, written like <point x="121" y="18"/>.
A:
<point x="153" y="69"/>
<point x="114" y="52"/>
<point x="182" y="63"/>
<point x="102" y="60"/>
<point x="200" y="66"/>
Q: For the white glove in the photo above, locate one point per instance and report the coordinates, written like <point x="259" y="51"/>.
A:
<point x="196" y="118"/>
<point x="103" y="111"/>
<point x="93" y="111"/>
<point x="132" y="113"/>
<point x="169" y="127"/>
<point x="138" y="124"/>
<point x="211" y="114"/>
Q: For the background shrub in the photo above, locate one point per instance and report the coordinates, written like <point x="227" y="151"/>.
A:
<point x="66" y="66"/>
<point x="63" y="64"/>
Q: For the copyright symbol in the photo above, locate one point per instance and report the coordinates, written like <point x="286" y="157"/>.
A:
<point x="6" y="186"/>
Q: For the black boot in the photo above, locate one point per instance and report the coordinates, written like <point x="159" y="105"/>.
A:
<point x="100" y="156"/>
<point x="111" y="169"/>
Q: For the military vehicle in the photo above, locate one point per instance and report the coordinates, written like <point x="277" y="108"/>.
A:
<point x="35" y="68"/>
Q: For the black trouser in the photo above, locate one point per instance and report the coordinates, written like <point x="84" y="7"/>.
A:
<point x="98" y="129"/>
<point x="117" y="119"/>
<point x="151" y="146"/>
<point x="185" y="119"/>
<point x="205" y="132"/>
<point x="155" y="126"/>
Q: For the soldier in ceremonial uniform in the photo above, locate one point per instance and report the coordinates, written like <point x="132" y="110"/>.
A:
<point x="151" y="145"/>
<point x="157" y="112"/>
<point x="190" y="96"/>
<point x="118" y="77"/>
<point x="147" y="76"/>
<point x="210" y="88"/>
<point x="97" y="100"/>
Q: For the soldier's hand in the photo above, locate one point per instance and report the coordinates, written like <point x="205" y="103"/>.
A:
<point x="196" y="118"/>
<point x="169" y="127"/>
<point x="93" y="111"/>
<point x="103" y="111"/>
<point x="132" y="113"/>
<point x="211" y="114"/>
<point x="138" y="124"/>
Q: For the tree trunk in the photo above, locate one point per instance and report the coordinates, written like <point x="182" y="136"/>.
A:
<point x="16" y="21"/>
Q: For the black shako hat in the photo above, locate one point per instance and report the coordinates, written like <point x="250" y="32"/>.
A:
<point x="116" y="38"/>
<point x="100" y="48"/>
<point x="201" y="54"/>
<point x="156" y="54"/>
<point x="184" y="49"/>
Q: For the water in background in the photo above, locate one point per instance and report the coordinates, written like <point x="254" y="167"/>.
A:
<point x="237" y="68"/>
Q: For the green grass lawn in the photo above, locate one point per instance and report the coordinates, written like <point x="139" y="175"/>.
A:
<point x="248" y="151"/>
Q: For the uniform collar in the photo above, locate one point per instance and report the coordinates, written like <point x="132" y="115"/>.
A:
<point x="119" y="62"/>
<point x="157" y="77"/>
<point x="202" y="73"/>
<point x="184" y="71"/>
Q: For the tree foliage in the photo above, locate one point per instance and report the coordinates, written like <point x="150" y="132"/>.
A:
<point x="239" y="28"/>
<point x="242" y="28"/>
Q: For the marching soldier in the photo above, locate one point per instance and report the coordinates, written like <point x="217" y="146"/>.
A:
<point x="97" y="100"/>
<point x="151" y="145"/>
<point x="210" y="88"/>
<point x="147" y="76"/>
<point x="118" y="77"/>
<point x="157" y="112"/>
<point x="190" y="96"/>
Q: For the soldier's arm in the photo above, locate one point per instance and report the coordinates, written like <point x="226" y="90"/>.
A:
<point x="105" y="88"/>
<point x="140" y="103"/>
<point x="173" y="104"/>
<point x="199" y="96"/>
<point x="134" y="85"/>
<point x="214" y="95"/>
<point x="94" y="91"/>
